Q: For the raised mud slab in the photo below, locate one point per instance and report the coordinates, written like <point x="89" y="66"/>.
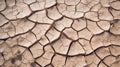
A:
<point x="59" y="33"/>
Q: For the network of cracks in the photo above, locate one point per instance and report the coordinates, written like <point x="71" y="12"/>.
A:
<point x="59" y="33"/>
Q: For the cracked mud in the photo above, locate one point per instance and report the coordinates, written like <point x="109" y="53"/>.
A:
<point x="59" y="33"/>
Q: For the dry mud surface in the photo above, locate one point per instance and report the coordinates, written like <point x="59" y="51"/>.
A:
<point x="59" y="33"/>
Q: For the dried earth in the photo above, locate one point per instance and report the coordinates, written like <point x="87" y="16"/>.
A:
<point x="59" y="33"/>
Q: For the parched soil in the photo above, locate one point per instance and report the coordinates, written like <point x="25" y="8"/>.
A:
<point x="59" y="33"/>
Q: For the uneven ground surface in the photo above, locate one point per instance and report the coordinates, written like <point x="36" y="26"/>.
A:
<point x="59" y="33"/>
